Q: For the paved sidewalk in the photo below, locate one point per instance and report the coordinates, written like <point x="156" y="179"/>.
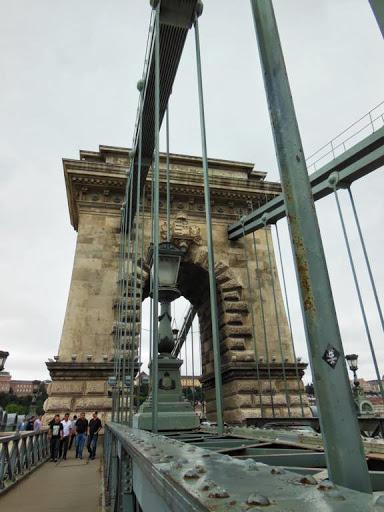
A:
<point x="68" y="485"/>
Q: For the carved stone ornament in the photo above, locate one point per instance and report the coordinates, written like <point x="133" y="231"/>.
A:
<point x="183" y="234"/>
<point x="167" y="383"/>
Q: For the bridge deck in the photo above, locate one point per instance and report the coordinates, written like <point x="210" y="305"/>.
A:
<point x="55" y="487"/>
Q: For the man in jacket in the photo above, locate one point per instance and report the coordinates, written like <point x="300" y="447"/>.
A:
<point x="81" y="434"/>
<point x="94" y="429"/>
<point x="55" y="433"/>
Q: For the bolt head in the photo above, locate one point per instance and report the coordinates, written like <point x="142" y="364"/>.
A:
<point x="219" y="493"/>
<point x="258" y="499"/>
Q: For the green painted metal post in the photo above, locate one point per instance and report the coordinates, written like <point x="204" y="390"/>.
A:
<point x="155" y="290"/>
<point x="168" y="184"/>
<point x="343" y="446"/>
<point x="211" y="261"/>
<point x="140" y="87"/>
<point x="378" y="10"/>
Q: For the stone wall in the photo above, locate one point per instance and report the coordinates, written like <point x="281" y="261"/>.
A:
<point x="259" y="377"/>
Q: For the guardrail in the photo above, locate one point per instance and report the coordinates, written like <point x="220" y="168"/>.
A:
<point x="20" y="454"/>
<point x="147" y="472"/>
<point x="357" y="131"/>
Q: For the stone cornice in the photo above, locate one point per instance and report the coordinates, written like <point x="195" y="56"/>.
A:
<point x="99" y="184"/>
<point x="75" y="370"/>
<point x="115" y="152"/>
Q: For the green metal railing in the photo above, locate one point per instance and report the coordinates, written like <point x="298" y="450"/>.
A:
<point x="20" y="454"/>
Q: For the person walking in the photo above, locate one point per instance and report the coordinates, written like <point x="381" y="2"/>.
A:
<point x="94" y="429"/>
<point x="37" y="424"/>
<point x="30" y="423"/>
<point x="67" y="425"/>
<point x="73" y="432"/>
<point x="55" y="433"/>
<point x="81" y="434"/>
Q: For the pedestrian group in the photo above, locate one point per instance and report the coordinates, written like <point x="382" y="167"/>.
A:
<point x="63" y="432"/>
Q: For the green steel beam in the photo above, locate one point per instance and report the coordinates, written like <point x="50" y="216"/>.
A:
<point x="341" y="436"/>
<point x="378" y="10"/>
<point x="176" y="18"/>
<point x="211" y="257"/>
<point x="182" y="336"/>
<point x="168" y="475"/>
<point x="358" y="161"/>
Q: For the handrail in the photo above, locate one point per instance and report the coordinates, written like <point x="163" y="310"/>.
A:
<point x="374" y="119"/>
<point x="152" y="472"/>
<point x="20" y="454"/>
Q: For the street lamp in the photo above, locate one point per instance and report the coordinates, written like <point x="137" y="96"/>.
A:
<point x="169" y="265"/>
<point x="175" y="413"/>
<point x="363" y="405"/>
<point x="352" y="363"/>
<point x="3" y="358"/>
<point x="3" y="415"/>
<point x="35" y="390"/>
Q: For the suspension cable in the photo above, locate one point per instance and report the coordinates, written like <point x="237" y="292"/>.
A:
<point x="289" y="322"/>
<point x="358" y="291"/>
<point x="259" y="384"/>
<point x="277" y="321"/>
<point x="261" y="299"/>
<point x="155" y="312"/>
<point x="211" y="261"/>
<point x="193" y="367"/>
<point x="167" y="176"/>
<point x="373" y="284"/>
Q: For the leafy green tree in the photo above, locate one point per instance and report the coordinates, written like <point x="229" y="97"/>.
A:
<point x="16" y="408"/>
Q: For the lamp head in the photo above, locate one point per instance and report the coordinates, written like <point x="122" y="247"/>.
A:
<point x="352" y="361"/>
<point x="169" y="264"/>
<point x="36" y="385"/>
<point x="3" y="358"/>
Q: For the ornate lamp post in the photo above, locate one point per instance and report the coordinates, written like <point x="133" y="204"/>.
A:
<point x="3" y="358"/>
<point x="352" y="363"/>
<point x="363" y="405"/>
<point x="175" y="412"/>
<point x="36" y="391"/>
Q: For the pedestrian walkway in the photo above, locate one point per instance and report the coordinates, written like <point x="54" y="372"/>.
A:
<point x="71" y="484"/>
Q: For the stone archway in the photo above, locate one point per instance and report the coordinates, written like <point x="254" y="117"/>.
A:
<point x="95" y="187"/>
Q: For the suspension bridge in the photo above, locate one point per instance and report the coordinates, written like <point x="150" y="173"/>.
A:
<point x="202" y="228"/>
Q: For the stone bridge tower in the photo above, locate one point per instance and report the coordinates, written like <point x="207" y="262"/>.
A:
<point x="95" y="189"/>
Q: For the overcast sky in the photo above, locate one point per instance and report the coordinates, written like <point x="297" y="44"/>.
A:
<point x="68" y="73"/>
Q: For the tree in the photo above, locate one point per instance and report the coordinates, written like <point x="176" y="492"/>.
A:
<point x="16" y="408"/>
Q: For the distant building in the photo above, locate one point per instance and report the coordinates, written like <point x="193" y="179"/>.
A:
<point x="21" y="387"/>
<point x="144" y="379"/>
<point x="369" y="386"/>
<point x="5" y="382"/>
<point x="188" y="381"/>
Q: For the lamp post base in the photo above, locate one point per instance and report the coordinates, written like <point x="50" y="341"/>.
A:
<point x="174" y="412"/>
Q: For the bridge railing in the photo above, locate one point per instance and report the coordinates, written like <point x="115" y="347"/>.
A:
<point x="21" y="453"/>
<point x="357" y="131"/>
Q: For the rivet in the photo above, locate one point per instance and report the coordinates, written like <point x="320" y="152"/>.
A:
<point x="308" y="480"/>
<point x="219" y="493"/>
<point x="325" y="486"/>
<point x="252" y="466"/>
<point x="258" y="499"/>
<point x="277" y="471"/>
<point x="200" y="468"/>
<point x="191" y="474"/>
